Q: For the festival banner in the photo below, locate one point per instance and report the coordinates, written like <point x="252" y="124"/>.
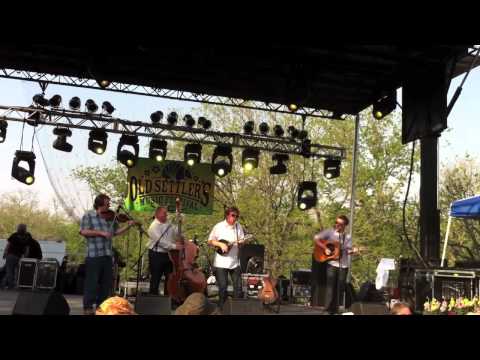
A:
<point x="152" y="184"/>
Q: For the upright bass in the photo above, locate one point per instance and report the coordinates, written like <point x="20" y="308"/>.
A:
<point x="186" y="278"/>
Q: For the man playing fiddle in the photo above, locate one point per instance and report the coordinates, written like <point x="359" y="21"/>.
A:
<point x="98" y="227"/>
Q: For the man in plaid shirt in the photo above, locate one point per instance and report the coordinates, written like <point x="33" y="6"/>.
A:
<point x="99" y="260"/>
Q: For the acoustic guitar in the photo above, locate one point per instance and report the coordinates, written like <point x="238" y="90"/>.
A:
<point x="320" y="255"/>
<point x="230" y="245"/>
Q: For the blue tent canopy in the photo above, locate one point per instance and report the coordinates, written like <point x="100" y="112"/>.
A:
<point x="466" y="208"/>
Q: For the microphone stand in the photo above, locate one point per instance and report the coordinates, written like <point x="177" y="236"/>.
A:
<point x="140" y="254"/>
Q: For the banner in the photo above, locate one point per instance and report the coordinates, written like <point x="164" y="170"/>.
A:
<point x="152" y="184"/>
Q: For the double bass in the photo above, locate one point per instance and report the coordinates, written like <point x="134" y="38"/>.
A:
<point x="186" y="278"/>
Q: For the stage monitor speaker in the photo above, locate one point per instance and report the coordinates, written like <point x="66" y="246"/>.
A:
<point x="153" y="305"/>
<point x="361" y="308"/>
<point x="249" y="251"/>
<point x="27" y="273"/>
<point x="243" y="307"/>
<point x="40" y="303"/>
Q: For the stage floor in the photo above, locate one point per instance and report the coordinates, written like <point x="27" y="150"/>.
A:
<point x="9" y="297"/>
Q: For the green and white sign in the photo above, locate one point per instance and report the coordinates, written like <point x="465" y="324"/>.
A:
<point x="152" y="184"/>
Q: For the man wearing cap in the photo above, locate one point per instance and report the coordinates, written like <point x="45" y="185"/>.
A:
<point x="197" y="304"/>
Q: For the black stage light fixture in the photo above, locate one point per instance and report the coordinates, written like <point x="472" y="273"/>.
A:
<point x="158" y="150"/>
<point x="264" y="128"/>
<point x="302" y="134"/>
<point x="40" y="100"/>
<point x="339" y="116"/>
<point x="331" y="168"/>
<point x="3" y="130"/>
<point x="91" y="106"/>
<point x="156" y="117"/>
<point x="189" y="120"/>
<point x="126" y="157"/>
<point x="280" y="168"/>
<point x="306" y="147"/>
<point x="97" y="141"/>
<point x="205" y="123"/>
<point x="75" y="103"/>
<point x="172" y="118"/>
<point x="192" y="154"/>
<point x="384" y="106"/>
<point x="307" y="195"/>
<point x="248" y="127"/>
<point x="104" y="83"/>
<point x="293" y="132"/>
<point x="278" y="131"/>
<point x="250" y="159"/>
<point x="61" y="142"/>
<point x="222" y="167"/>
<point x="55" y="101"/>
<point x="108" y="108"/>
<point x="292" y="107"/>
<point x="21" y="174"/>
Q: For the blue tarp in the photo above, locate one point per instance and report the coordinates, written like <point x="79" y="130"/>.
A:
<point x="466" y="208"/>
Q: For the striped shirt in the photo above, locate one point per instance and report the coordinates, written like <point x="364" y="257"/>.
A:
<point x="97" y="245"/>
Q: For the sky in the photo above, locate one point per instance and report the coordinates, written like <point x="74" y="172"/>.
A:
<point x="460" y="137"/>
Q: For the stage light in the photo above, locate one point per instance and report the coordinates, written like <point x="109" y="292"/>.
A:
<point x="250" y="159"/>
<point x="104" y="83"/>
<point x="222" y="167"/>
<point x="307" y="195"/>
<point x="264" y="128"/>
<point x="331" y="168"/>
<point x="61" y="142"/>
<point x="337" y="115"/>
<point x="172" y="118"/>
<point x="248" y="127"/>
<point x="3" y="130"/>
<point x="306" y="147"/>
<point x="293" y="132"/>
<point x="302" y="134"/>
<point x="205" y="123"/>
<point x="108" y="108"/>
<point x="97" y="141"/>
<point x="192" y="154"/>
<point x="75" y="103"/>
<point x="156" y="117"/>
<point x="40" y="100"/>
<point x="55" y="101"/>
<point x="384" y="106"/>
<point x="126" y="157"/>
<point x="189" y="120"/>
<point x="293" y="107"/>
<point x="91" y="106"/>
<point x="280" y="168"/>
<point x="158" y="150"/>
<point x="278" y="131"/>
<point x="21" y="174"/>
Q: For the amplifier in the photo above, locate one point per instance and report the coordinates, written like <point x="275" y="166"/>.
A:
<point x="47" y="274"/>
<point x="252" y="284"/>
<point x="301" y="277"/>
<point x="27" y="272"/>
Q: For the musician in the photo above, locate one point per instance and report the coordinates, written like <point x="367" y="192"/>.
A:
<point x="337" y="270"/>
<point x="16" y="248"/>
<point x="98" y="230"/>
<point x="228" y="263"/>
<point x="163" y="236"/>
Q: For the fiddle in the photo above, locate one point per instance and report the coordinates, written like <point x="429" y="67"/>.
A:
<point x="109" y="215"/>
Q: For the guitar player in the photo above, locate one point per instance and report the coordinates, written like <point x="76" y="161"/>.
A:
<point x="337" y="270"/>
<point x="231" y="232"/>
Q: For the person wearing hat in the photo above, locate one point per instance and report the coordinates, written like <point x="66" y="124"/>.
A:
<point x="197" y="304"/>
<point x="16" y="247"/>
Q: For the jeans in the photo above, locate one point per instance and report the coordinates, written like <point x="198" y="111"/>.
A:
<point x="98" y="280"/>
<point x="11" y="270"/>
<point x="160" y="265"/>
<point x="221" y="276"/>
<point x="335" y="291"/>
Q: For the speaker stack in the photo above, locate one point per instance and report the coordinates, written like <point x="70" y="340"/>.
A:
<point x="153" y="305"/>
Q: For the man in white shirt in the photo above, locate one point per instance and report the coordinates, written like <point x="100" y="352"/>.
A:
<point x="163" y="237"/>
<point x="228" y="263"/>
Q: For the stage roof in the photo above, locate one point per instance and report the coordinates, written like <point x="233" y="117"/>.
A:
<point x="339" y="78"/>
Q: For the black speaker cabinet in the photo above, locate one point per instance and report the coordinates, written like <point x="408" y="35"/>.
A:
<point x="243" y="307"/>
<point x="47" y="273"/>
<point x="361" y="308"/>
<point x="27" y="272"/>
<point x="40" y="303"/>
<point x="153" y="305"/>
<point x="249" y="251"/>
<point x="423" y="287"/>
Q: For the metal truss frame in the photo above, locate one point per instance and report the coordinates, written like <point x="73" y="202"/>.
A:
<point x="81" y="120"/>
<point x="45" y="79"/>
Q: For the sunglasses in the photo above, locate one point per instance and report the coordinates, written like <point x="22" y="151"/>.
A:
<point x="234" y="215"/>
<point x="339" y="223"/>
